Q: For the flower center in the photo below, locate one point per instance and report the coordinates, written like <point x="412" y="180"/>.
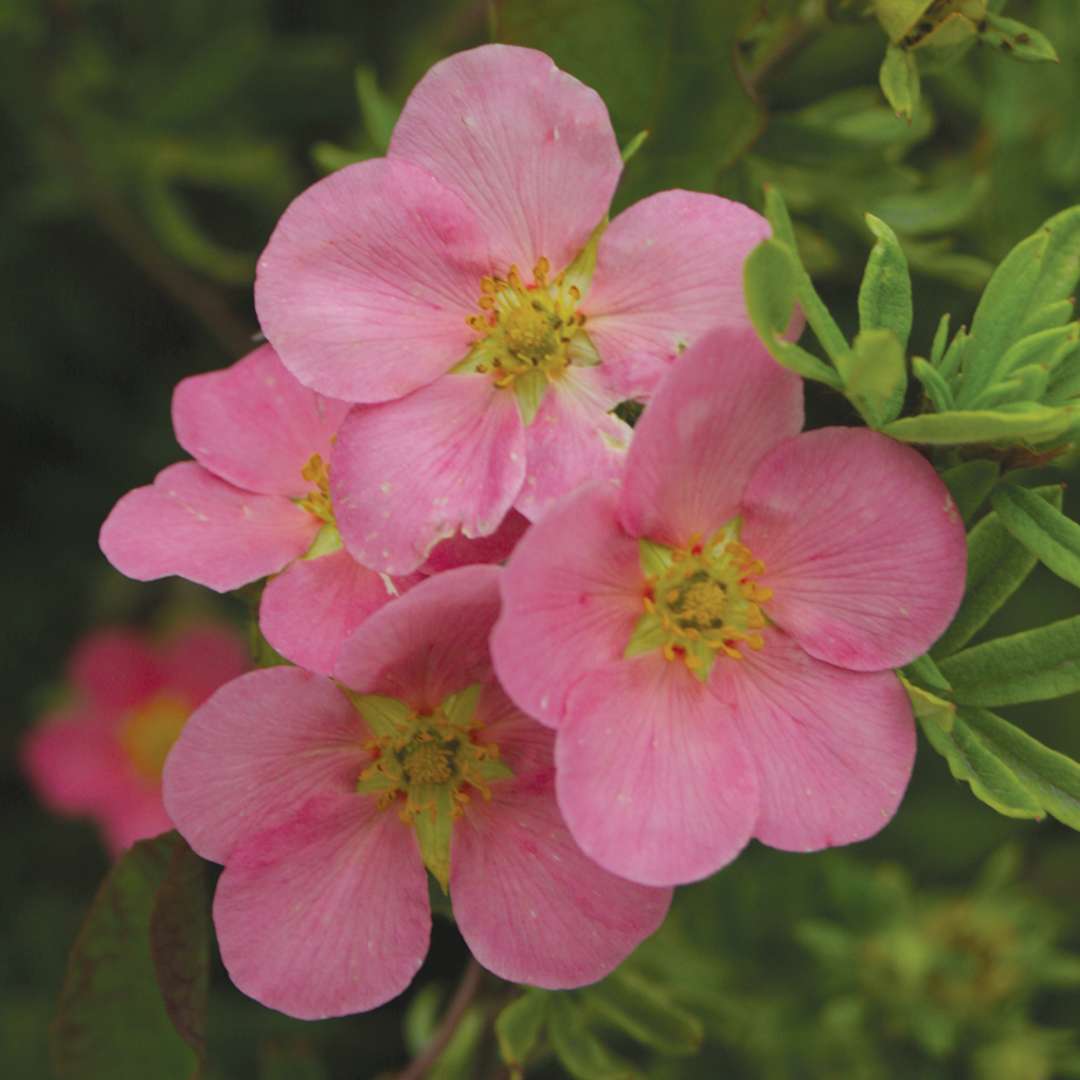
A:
<point x="148" y="732"/>
<point x="700" y="602"/>
<point x="429" y="765"/>
<point x="317" y="501"/>
<point x="530" y="334"/>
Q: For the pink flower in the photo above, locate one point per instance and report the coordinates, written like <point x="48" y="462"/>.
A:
<point x="464" y="290"/>
<point x="101" y="755"/>
<point x="713" y="642"/>
<point x="325" y="802"/>
<point x="256" y="501"/>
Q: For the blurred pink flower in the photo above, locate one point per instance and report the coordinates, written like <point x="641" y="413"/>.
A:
<point x="256" y="502"/>
<point x="463" y="290"/>
<point x="716" y="637"/>
<point x="326" y="800"/>
<point x="101" y="756"/>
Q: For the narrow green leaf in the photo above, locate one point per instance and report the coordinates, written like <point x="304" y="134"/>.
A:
<point x="1047" y="533"/>
<point x="1051" y="778"/>
<point x="969" y="483"/>
<point x="971" y="760"/>
<point x="631" y="1004"/>
<point x="1027" y="384"/>
<point x="1023" y="422"/>
<point x="899" y="79"/>
<point x="380" y="113"/>
<point x="935" y="387"/>
<point x="1047" y="316"/>
<point x="1035" y="665"/>
<point x="518" y="1026"/>
<point x="875" y="376"/>
<point x="579" y="1050"/>
<point x="998" y="565"/>
<point x="941" y="340"/>
<point x="885" y="293"/>
<point x="634" y="145"/>
<point x="1044" y="347"/>
<point x="924" y="672"/>
<point x="114" y="1020"/>
<point x="953" y="359"/>
<point x="1017" y="40"/>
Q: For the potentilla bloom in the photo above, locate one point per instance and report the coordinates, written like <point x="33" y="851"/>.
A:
<point x="713" y="642"/>
<point x="465" y="290"/>
<point x="327" y="800"/>
<point x="101" y="754"/>
<point x="256" y="501"/>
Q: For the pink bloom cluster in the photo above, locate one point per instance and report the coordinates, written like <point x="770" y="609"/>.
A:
<point x="101" y="754"/>
<point x="691" y="645"/>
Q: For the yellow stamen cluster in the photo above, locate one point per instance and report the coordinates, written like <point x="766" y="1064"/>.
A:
<point x="701" y="601"/>
<point x="149" y="731"/>
<point x="317" y="473"/>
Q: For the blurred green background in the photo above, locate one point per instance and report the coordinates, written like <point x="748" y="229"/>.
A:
<point x="147" y="152"/>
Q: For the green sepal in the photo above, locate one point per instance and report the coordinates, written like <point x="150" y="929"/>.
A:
<point x="1034" y="665"/>
<point x="327" y="541"/>
<point x="1022" y="422"/>
<point x="969" y="483"/>
<point x="655" y="559"/>
<point x="460" y="708"/>
<point x="885" y="293"/>
<point x="997" y="566"/>
<point x="387" y="717"/>
<point x="518" y="1027"/>
<point x="581" y="269"/>
<point x="1047" y="533"/>
<point x="649" y="634"/>
<point x="875" y="376"/>
<point x="934" y="386"/>
<point x="899" y="80"/>
<point x="1017" y="40"/>
<point x="529" y="390"/>
<point x="434" y="824"/>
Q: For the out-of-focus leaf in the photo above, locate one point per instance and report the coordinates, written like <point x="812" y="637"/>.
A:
<point x="329" y="157"/>
<point x="459" y="1060"/>
<point x="885" y="294"/>
<point x="932" y="209"/>
<point x="1017" y="40"/>
<point x="631" y="1004"/>
<point x="899" y="78"/>
<point x="875" y="376"/>
<point x="998" y="565"/>
<point x="583" y="1055"/>
<point x="969" y="483"/>
<point x="898" y="17"/>
<point x="518" y="1027"/>
<point x="133" y="1005"/>
<point x="1046" y="532"/>
<point x="1035" y="665"/>
<point x="379" y="112"/>
<point x="1023" y="422"/>
<point x="290" y="1062"/>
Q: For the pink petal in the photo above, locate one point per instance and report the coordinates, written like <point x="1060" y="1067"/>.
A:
<point x="722" y="407"/>
<point x="529" y="903"/>
<point x="139" y="818"/>
<point x="201" y="659"/>
<point x="309" y="609"/>
<point x="669" y="269"/>
<point x="406" y="474"/>
<point x="459" y="550"/>
<point x="116" y="668"/>
<point x="862" y="545"/>
<point x="572" y="441"/>
<point x="327" y="914"/>
<point x="834" y="748"/>
<point x="192" y="524"/>
<point x="652" y="777"/>
<point x="257" y="750"/>
<point x="430" y="643"/>
<point x="367" y="281"/>
<point x="572" y="594"/>
<point x="254" y="425"/>
<point x="528" y="147"/>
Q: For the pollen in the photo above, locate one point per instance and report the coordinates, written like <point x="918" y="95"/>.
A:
<point x="317" y="502"/>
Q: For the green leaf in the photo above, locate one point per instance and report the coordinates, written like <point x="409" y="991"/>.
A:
<point x="969" y="483"/>
<point x="1046" y="347"/>
<point x="899" y="17"/>
<point x="1046" y="532"/>
<point x="633" y="146"/>
<point x="579" y="1050"/>
<point x="875" y="376"/>
<point x="633" y="1005"/>
<point x="518" y="1027"/>
<point x="1034" y="665"/>
<point x="899" y="79"/>
<point x="380" y="113"/>
<point x="1023" y="422"/>
<point x="290" y="1062"/>
<point x="997" y="566"/>
<point x="134" y="1000"/>
<point x="885" y="293"/>
<point x="972" y="761"/>
<point x="924" y="672"/>
<point x="1017" y="40"/>
<point x="1052" y="779"/>
<point x="941" y="340"/>
<point x="934" y="386"/>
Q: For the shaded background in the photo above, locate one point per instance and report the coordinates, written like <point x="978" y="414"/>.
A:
<point x="147" y="151"/>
